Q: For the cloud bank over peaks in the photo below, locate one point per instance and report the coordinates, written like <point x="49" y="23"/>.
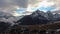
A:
<point x="10" y="6"/>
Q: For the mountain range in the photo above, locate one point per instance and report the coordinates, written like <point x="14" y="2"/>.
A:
<point x="38" y="17"/>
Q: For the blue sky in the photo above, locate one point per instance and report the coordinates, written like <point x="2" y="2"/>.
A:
<point x="47" y="8"/>
<point x="21" y="10"/>
<point x="40" y="8"/>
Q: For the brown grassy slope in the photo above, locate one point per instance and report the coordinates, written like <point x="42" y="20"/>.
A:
<point x="38" y="27"/>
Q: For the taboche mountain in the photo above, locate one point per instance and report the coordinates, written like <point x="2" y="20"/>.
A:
<point x="36" y="18"/>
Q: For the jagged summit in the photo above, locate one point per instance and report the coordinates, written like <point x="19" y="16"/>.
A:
<point x="35" y="18"/>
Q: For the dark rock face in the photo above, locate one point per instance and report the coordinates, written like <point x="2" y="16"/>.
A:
<point x="26" y="20"/>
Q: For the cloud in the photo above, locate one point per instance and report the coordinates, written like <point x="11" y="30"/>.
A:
<point x="8" y="18"/>
<point x="10" y="6"/>
<point x="22" y="3"/>
<point x="45" y="3"/>
<point x="6" y="3"/>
